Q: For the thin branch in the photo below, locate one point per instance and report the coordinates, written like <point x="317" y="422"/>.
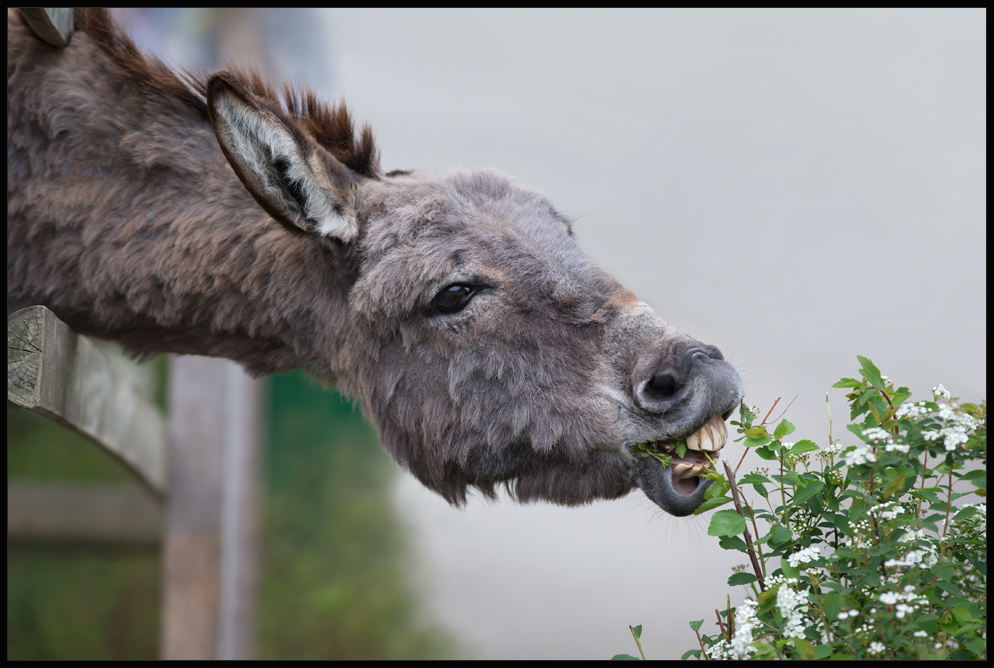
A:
<point x="748" y="538"/>
<point x="770" y="411"/>
<point x="786" y="409"/>
<point x="721" y="626"/>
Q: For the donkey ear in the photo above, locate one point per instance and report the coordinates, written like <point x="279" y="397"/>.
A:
<point x="280" y="166"/>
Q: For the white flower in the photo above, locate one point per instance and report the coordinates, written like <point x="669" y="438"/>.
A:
<point x="888" y="511"/>
<point x="920" y="634"/>
<point x="876" y="434"/>
<point x="888" y="598"/>
<point x="940" y="392"/>
<point x="807" y="555"/>
<point x="745" y="622"/>
<point x="903" y="609"/>
<point x="792" y="604"/>
<point x="876" y="648"/>
<point x="859" y="454"/>
<point x="912" y="410"/>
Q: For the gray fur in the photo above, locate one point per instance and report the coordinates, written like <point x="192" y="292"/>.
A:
<point x="127" y="219"/>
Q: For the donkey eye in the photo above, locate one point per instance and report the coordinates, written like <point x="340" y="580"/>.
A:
<point x="453" y="298"/>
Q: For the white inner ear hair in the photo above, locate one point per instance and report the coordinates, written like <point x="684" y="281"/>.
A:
<point x="273" y="161"/>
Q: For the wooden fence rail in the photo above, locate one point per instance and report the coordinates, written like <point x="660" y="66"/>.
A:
<point x="198" y="465"/>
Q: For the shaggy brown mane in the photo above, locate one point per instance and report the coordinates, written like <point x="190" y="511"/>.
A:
<point x="330" y="124"/>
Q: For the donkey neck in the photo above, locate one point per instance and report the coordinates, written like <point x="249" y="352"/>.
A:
<point x="147" y="236"/>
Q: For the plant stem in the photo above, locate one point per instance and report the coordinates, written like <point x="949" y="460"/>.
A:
<point x="770" y="411"/>
<point x="721" y="626"/>
<point x="748" y="539"/>
<point x="700" y="642"/>
<point x="783" y="493"/>
<point x="949" y="502"/>
<point x="752" y="515"/>
<point x="632" y="629"/>
<point x="829" y="408"/>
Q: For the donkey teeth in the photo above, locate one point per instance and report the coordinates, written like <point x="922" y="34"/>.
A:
<point x="711" y="437"/>
<point x="684" y="470"/>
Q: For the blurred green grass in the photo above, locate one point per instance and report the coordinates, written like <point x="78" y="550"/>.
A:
<point x="334" y="584"/>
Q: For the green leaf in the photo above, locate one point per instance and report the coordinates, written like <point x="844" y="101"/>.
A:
<point x="895" y="485"/>
<point x="767" y="599"/>
<point x="767" y="453"/>
<point x="627" y="657"/>
<point x="696" y="653"/>
<point x="696" y="626"/>
<point x="756" y="442"/>
<point x="756" y="432"/>
<point x="803" y="446"/>
<point x="809" y="489"/>
<point x="732" y="543"/>
<point x="726" y="523"/>
<point x="870" y="372"/>
<point x="976" y="645"/>
<point x="780" y="535"/>
<point x="638" y="631"/>
<point x="788" y="570"/>
<point x="754" y="477"/>
<point x="804" y="648"/>
<point x="680" y="447"/>
<point x="741" y="579"/>
<point x="848" y="382"/>
<point x="711" y="503"/>
<point x="962" y="614"/>
<point x="832" y="605"/>
<point x="822" y="651"/>
<point x="783" y="429"/>
<point x="763" y="652"/>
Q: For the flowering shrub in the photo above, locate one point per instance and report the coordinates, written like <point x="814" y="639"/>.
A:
<point x="864" y="552"/>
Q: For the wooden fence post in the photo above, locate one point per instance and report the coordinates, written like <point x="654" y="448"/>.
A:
<point x="211" y="523"/>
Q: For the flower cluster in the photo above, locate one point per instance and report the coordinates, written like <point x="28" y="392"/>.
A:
<point x="792" y="605"/>
<point x="901" y="600"/>
<point x="955" y="425"/>
<point x="859" y="540"/>
<point x="912" y="410"/>
<point x="745" y="622"/>
<point x="859" y="454"/>
<point x="805" y="556"/>
<point x="888" y="511"/>
<point x="890" y="567"/>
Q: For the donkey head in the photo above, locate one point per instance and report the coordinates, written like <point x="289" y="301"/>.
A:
<point x="483" y="344"/>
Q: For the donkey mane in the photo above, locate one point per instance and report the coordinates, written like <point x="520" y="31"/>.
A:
<point x="330" y="124"/>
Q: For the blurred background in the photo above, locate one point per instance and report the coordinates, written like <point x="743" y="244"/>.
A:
<point x="795" y="187"/>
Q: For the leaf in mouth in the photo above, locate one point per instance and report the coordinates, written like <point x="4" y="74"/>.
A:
<point x="652" y="450"/>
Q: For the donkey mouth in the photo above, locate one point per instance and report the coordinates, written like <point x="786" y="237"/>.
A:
<point x="678" y="487"/>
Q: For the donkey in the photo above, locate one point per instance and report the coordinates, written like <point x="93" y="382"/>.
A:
<point x="212" y="214"/>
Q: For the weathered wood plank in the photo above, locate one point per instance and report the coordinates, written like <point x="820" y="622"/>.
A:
<point x="52" y="26"/>
<point x="55" y="372"/>
<point x="68" y="513"/>
<point x="209" y="550"/>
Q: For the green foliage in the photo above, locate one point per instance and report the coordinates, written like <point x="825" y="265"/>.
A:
<point x="867" y="555"/>
<point x="333" y="575"/>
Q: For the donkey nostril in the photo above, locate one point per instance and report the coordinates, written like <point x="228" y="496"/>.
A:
<point x="662" y="385"/>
